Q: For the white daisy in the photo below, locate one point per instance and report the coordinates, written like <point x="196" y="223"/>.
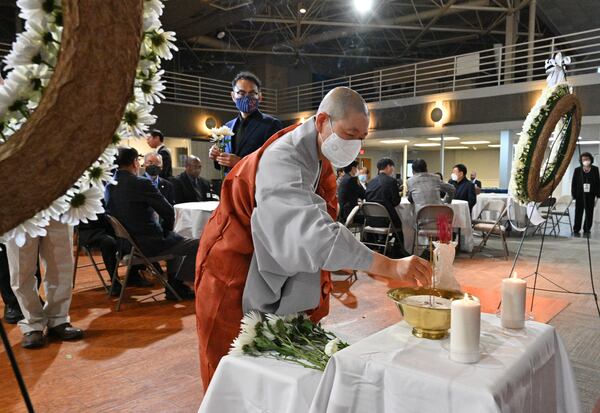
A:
<point x="332" y="347"/>
<point x="24" y="51"/>
<point x="153" y="6"/>
<point x="85" y="205"/>
<point x="57" y="207"/>
<point x="152" y="87"/>
<point x="109" y="155"/>
<point x="33" y="227"/>
<point x="98" y="174"/>
<point x="137" y="118"/>
<point x="161" y="43"/>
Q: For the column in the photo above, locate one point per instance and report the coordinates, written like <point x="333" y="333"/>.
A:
<point x="530" y="39"/>
<point x="506" y="156"/>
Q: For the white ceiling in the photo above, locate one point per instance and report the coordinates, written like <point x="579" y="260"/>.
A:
<point x="450" y="141"/>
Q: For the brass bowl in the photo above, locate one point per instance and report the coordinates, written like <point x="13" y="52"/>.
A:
<point x="431" y="323"/>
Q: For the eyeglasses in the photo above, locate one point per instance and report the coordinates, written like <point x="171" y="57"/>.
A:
<point x="242" y="93"/>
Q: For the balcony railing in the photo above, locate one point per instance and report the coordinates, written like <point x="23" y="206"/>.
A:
<point x="492" y="67"/>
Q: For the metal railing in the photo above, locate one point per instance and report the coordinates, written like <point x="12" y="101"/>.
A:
<point x="492" y="67"/>
<point x="498" y="66"/>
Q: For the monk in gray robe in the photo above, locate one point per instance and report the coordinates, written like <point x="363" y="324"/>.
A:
<point x="274" y="232"/>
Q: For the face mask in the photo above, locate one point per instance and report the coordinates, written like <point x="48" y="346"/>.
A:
<point x="246" y="104"/>
<point x="153" y="170"/>
<point x="454" y="177"/>
<point x="340" y="152"/>
<point x="587" y="163"/>
<point x="362" y="178"/>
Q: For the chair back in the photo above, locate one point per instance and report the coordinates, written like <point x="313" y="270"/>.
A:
<point x="548" y="203"/>
<point x="351" y="215"/>
<point x="121" y="232"/>
<point x="427" y="217"/>
<point x="494" y="208"/>
<point x="564" y="201"/>
<point x="374" y="210"/>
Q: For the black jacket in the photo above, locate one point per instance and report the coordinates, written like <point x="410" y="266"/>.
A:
<point x="165" y="187"/>
<point x="250" y="133"/>
<point x="477" y="183"/>
<point x="384" y="190"/>
<point x="349" y="192"/>
<point x="167" y="168"/>
<point x="134" y="201"/>
<point x="465" y="190"/>
<point x="183" y="190"/>
<point x="592" y="177"/>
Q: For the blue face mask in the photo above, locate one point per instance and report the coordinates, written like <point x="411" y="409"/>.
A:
<point x="362" y="178"/>
<point x="247" y="104"/>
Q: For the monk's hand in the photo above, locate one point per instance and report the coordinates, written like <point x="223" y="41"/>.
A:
<point x="214" y="152"/>
<point x="228" y="159"/>
<point x="414" y="270"/>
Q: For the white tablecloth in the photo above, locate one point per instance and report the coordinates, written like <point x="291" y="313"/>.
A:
<point x="191" y="217"/>
<point x="462" y="220"/>
<point x="392" y="371"/>
<point x="482" y="201"/>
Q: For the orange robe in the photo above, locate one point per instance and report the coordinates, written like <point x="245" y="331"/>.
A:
<point x="224" y="259"/>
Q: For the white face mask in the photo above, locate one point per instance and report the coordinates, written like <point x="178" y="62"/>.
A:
<point x="587" y="163"/>
<point x="454" y="177"/>
<point x="340" y="152"/>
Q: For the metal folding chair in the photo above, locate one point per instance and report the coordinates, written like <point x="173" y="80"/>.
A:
<point x="426" y="223"/>
<point x="545" y="209"/>
<point x="350" y="275"/>
<point x="136" y="257"/>
<point x="375" y="210"/>
<point x="487" y="228"/>
<point x="562" y="209"/>
<point x="98" y="266"/>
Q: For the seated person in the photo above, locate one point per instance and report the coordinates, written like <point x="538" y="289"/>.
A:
<point x="383" y="189"/>
<point x="188" y="186"/>
<point x="465" y="190"/>
<point x="138" y="205"/>
<point x="153" y="165"/>
<point x="349" y="191"/>
<point x="425" y="188"/>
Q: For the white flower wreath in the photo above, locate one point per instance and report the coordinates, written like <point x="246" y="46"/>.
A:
<point x="32" y="59"/>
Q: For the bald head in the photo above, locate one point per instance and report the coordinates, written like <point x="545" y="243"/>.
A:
<point x="153" y="158"/>
<point x="342" y="102"/>
<point x="193" y="166"/>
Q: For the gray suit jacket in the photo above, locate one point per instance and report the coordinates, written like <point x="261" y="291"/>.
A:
<point x="425" y="189"/>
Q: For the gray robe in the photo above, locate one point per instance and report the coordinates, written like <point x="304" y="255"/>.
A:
<point x="294" y="237"/>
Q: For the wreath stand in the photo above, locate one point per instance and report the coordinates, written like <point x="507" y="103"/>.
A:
<point x="567" y="105"/>
<point x="15" y="368"/>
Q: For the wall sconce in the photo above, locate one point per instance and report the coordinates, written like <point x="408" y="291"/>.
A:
<point x="210" y="122"/>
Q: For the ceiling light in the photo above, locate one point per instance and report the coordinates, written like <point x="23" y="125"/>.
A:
<point x="220" y="35"/>
<point x="363" y="6"/>
<point x="425" y="145"/>
<point x="588" y="143"/>
<point x="390" y="141"/>
<point x="495" y="145"/>
<point x="456" y="147"/>
<point x="474" y="142"/>
<point x="446" y="138"/>
<point x="302" y="10"/>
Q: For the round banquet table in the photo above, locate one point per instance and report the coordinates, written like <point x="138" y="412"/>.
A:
<point x="462" y="220"/>
<point x="191" y="217"/>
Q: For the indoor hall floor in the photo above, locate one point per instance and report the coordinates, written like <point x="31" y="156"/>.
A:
<point x="144" y="358"/>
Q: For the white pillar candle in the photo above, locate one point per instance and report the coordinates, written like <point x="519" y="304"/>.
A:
<point x="465" y="327"/>
<point x="513" y="302"/>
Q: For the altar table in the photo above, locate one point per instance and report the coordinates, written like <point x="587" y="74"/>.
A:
<point x="522" y="371"/>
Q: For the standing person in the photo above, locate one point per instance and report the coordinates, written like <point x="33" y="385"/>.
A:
<point x="272" y="239"/>
<point x="585" y="188"/>
<point x="349" y="191"/>
<point x="251" y="127"/>
<point x="156" y="141"/>
<point x="55" y="250"/>
<point x="465" y="190"/>
<point x="189" y="186"/>
<point x="476" y="182"/>
<point x="12" y="311"/>
<point x="363" y="176"/>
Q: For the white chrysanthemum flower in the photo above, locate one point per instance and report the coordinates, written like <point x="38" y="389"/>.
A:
<point x="85" y="205"/>
<point x="153" y="7"/>
<point x="33" y="227"/>
<point x="98" y="174"/>
<point x="57" y="208"/>
<point x="109" y="155"/>
<point x="245" y="338"/>
<point x="161" y="43"/>
<point x="332" y="347"/>
<point x="152" y="87"/>
<point x="38" y="10"/>
<point x="250" y="321"/>
<point x="137" y="118"/>
<point x="24" y="52"/>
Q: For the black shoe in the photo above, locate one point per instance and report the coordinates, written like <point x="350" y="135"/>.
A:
<point x="65" y="332"/>
<point x="33" y="339"/>
<point x="183" y="290"/>
<point x="576" y="234"/>
<point x="586" y="234"/>
<point x="139" y="280"/>
<point x="115" y="289"/>
<point x="12" y="315"/>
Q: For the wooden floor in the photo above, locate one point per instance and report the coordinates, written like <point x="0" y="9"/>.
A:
<point x="144" y="358"/>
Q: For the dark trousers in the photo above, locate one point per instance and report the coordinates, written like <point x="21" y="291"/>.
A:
<point x="105" y="243"/>
<point x="183" y="268"/>
<point x="5" y="289"/>
<point x="589" y="213"/>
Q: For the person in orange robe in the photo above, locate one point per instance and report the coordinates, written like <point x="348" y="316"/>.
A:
<point x="274" y="237"/>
